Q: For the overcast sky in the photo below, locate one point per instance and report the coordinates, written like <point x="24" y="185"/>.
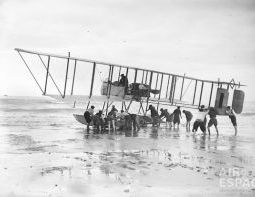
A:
<point x="209" y="39"/>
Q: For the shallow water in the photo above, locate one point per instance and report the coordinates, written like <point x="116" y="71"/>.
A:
<point x="45" y="152"/>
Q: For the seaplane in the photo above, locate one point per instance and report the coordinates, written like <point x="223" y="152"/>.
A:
<point x="100" y="82"/>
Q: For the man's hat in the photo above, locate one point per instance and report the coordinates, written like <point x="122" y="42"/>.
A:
<point x="92" y="106"/>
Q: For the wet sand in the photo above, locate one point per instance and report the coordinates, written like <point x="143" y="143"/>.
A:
<point x="152" y="162"/>
<point x="44" y="152"/>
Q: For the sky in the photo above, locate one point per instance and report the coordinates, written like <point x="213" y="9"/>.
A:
<point x="208" y="39"/>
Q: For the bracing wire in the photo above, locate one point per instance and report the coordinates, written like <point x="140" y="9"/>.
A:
<point x="186" y="89"/>
<point x="99" y="74"/>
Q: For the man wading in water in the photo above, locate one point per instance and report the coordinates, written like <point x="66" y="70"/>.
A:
<point x="189" y="117"/>
<point x="232" y="117"/>
<point x="177" y="115"/>
<point x="154" y="115"/>
<point x="88" y="115"/>
<point x="213" y="121"/>
<point x="201" y="120"/>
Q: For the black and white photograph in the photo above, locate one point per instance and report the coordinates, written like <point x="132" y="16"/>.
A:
<point x="127" y="98"/>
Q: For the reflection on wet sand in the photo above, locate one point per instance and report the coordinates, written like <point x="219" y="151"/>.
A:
<point x="126" y="162"/>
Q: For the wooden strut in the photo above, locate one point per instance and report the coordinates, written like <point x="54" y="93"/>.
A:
<point x="151" y="75"/>
<point x="174" y="86"/>
<point x="125" y="84"/>
<point x="92" y="80"/>
<point x="182" y="87"/>
<point x="67" y="67"/>
<point x="167" y="85"/>
<point x="194" y="96"/>
<point x="103" y="107"/>
<point x="160" y="88"/>
<point x="146" y="76"/>
<point x="107" y="106"/>
<point x="109" y="84"/>
<point x="47" y="75"/>
<point x="201" y="93"/>
<point x="171" y="89"/>
<point x="135" y="80"/>
<point x="107" y="89"/>
<point x="211" y="95"/>
<point x="74" y="72"/>
<point x="51" y="76"/>
<point x="142" y="77"/>
<point x="156" y="84"/>
<point x="124" y="103"/>
<point x="135" y="75"/>
<point x="88" y="105"/>
<point x="119" y="74"/>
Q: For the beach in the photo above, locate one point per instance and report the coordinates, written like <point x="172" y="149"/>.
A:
<point x="45" y="152"/>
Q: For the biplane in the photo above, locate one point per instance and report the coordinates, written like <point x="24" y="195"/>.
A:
<point x="88" y="81"/>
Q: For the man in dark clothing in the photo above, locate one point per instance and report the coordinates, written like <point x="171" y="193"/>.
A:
<point x="88" y="115"/>
<point x="169" y="117"/>
<point x="232" y="117"/>
<point x="99" y="121"/>
<point x="154" y="115"/>
<point x="111" y="117"/>
<point x="213" y="121"/>
<point x="124" y="82"/>
<point x="177" y="115"/>
<point x="189" y="117"/>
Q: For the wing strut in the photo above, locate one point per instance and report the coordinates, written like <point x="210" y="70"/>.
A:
<point x="47" y="75"/>
<point x="50" y="76"/>
<point x="211" y="95"/>
<point x="74" y="71"/>
<point x="67" y="67"/>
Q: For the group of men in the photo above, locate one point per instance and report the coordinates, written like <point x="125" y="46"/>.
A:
<point x="201" y="120"/>
<point x="125" y="120"/>
<point x="173" y="119"/>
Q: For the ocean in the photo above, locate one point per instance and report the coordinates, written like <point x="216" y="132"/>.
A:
<point x="46" y="152"/>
